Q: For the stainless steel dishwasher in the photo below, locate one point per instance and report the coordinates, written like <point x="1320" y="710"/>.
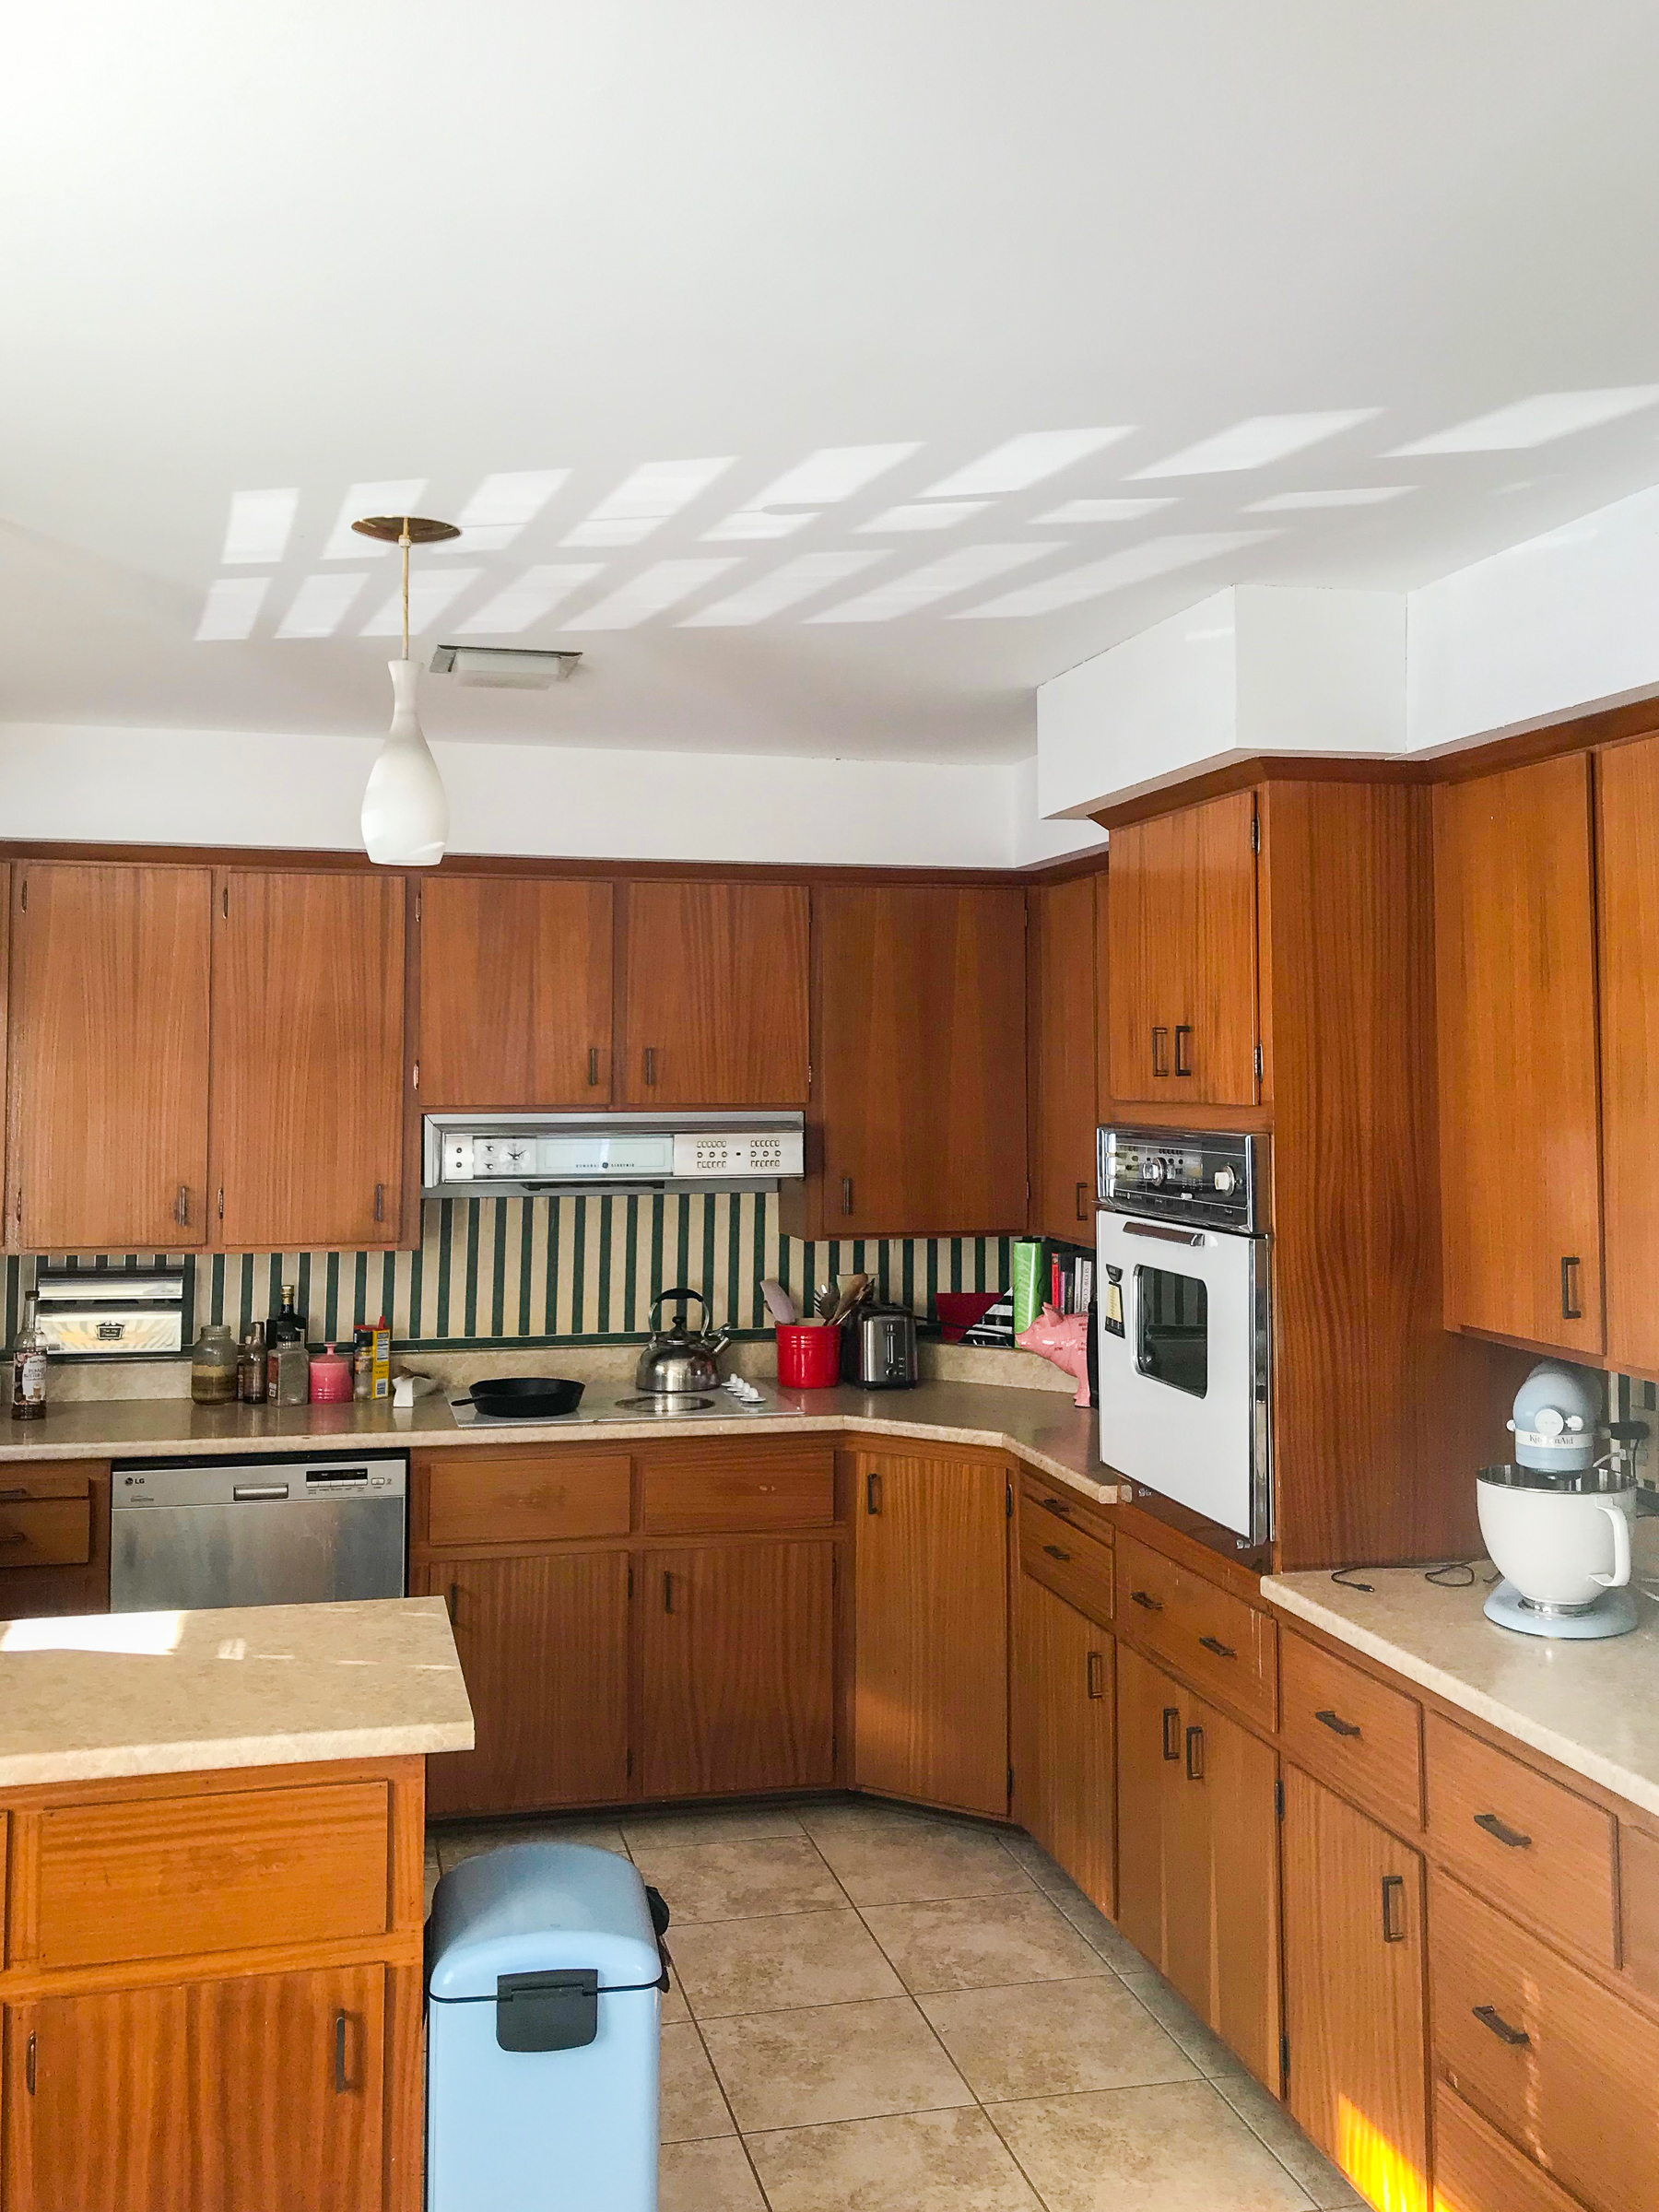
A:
<point x="284" y="1529"/>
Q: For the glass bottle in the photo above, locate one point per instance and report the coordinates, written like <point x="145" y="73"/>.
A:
<point x="286" y="1324"/>
<point x="29" y="1370"/>
<point x="250" y="1382"/>
<point x="213" y="1362"/>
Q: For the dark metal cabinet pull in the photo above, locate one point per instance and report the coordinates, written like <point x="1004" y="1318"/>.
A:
<point x="650" y="1064"/>
<point x="1184" y="1058"/>
<point x="1393" y="1908"/>
<point x="1336" y="1723"/>
<point x="1490" y="2017"/>
<point x="592" y="1065"/>
<point x="342" y="2080"/>
<point x="1054" y="1552"/>
<point x="380" y="1201"/>
<point x="872" y="1494"/>
<point x="15" y="1497"/>
<point x="667" y="1593"/>
<point x="1082" y="1202"/>
<point x="1050" y="1505"/>
<point x="1195" y="1754"/>
<point x="846" y="1193"/>
<point x="1571" y="1308"/>
<point x="1160" y="1051"/>
<point x="1502" y="1832"/>
<point x="181" y="1206"/>
<point x="1214" y="1644"/>
<point x="29" y="2066"/>
<point x="1094" y="1675"/>
<point x="1146" y="1601"/>
<point x="1171" y="1728"/>
<point x="14" y="1536"/>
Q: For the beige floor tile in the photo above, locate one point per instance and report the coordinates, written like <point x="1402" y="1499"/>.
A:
<point x="1207" y="2051"/>
<point x="717" y="1824"/>
<point x="833" y="2062"/>
<point x="854" y="1813"/>
<point x="432" y="1871"/>
<point x="740" y="1880"/>
<point x="736" y="1966"/>
<point x="692" y="2106"/>
<point x="456" y="1844"/>
<point x="674" y="2007"/>
<point x="1306" y="2162"/>
<point x="948" y="2162"/>
<point x="1098" y="1932"/>
<point x="911" y="1861"/>
<point x="1175" y="2148"/>
<point x="973" y="1943"/>
<point x="707" y="2177"/>
<point x="1051" y="2039"/>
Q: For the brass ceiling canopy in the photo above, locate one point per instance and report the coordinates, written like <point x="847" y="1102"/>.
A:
<point x="390" y="528"/>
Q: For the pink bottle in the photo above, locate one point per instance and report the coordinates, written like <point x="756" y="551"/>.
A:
<point x="330" y="1378"/>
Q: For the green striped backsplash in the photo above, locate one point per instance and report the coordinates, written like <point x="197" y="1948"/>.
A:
<point x="497" y="1271"/>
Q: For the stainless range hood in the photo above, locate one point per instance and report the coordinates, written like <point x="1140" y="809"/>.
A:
<point x="532" y="1155"/>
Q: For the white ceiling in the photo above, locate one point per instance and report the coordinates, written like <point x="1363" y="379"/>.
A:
<point x="1045" y="255"/>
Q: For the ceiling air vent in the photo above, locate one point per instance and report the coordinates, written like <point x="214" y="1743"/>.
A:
<point x="503" y="668"/>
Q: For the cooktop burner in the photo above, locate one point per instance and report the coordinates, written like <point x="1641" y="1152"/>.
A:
<point x="737" y="1398"/>
<point x="669" y="1404"/>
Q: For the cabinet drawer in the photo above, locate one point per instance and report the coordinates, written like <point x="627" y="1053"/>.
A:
<point x="21" y="1480"/>
<point x="1352" y="1731"/>
<point x="725" y="1485"/>
<point x="1558" y="2064"/>
<point x="526" y="1497"/>
<point x="1639" y="1885"/>
<point x="1477" y="2170"/>
<point x="1521" y="1840"/>
<point x="1074" y="1567"/>
<point x="1053" y="1501"/>
<point x="1218" y="1642"/>
<point x="151" y="1877"/>
<point x="47" y="1532"/>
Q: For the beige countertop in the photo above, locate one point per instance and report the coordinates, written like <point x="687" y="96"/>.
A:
<point x="85" y="1697"/>
<point x="1041" y="1427"/>
<point x="1594" y="1707"/>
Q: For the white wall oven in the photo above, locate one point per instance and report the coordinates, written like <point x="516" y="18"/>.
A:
<point x="1183" y="1296"/>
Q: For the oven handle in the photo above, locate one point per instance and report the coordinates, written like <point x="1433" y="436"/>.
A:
<point x="1165" y="1235"/>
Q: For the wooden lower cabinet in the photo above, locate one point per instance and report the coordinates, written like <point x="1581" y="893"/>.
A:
<point x="543" y="1640"/>
<point x="1199" y="1874"/>
<point x="1065" y="1760"/>
<point x="931" y="1670"/>
<point x="1356" y="1999"/>
<point x="257" y="2093"/>
<point x="737" y="1663"/>
<point x="1477" y="2170"/>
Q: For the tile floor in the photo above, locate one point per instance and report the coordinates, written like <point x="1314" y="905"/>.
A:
<point x="875" y="2011"/>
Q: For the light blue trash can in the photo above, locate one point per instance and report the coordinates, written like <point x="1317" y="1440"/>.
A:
<point x="544" y="1975"/>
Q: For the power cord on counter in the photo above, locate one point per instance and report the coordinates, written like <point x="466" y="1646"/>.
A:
<point x="1453" y="1575"/>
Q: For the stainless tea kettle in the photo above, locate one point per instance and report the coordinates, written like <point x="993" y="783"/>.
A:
<point x="675" y="1363"/>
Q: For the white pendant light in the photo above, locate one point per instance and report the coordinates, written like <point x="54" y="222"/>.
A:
<point x="405" y="813"/>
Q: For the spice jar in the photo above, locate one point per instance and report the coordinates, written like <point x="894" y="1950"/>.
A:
<point x="213" y="1366"/>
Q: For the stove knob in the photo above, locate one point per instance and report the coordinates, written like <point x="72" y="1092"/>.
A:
<point x="1227" y="1182"/>
<point x="1152" y="1171"/>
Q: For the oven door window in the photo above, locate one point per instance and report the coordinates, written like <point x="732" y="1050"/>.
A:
<point x="1172" y="1332"/>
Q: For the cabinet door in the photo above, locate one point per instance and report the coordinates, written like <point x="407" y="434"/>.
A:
<point x="714" y="994"/>
<point x="931" y="1675"/>
<point x="1628" y="906"/>
<point x="1061" y="1005"/>
<point x="1239" y="1779"/>
<point x="1065" y="1779"/>
<point x="1180" y="981"/>
<point x="921" y="1088"/>
<point x="543" y="1641"/>
<point x="1355" y="1994"/>
<point x="108" y="1144"/>
<point x="515" y="994"/>
<point x="1148" y="1755"/>
<point x="738" y="1656"/>
<point x="1515" y="970"/>
<point x="306" y="1060"/>
<point x="259" y="2093"/>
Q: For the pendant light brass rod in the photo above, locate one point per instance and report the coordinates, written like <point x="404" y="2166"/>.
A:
<point x="406" y="541"/>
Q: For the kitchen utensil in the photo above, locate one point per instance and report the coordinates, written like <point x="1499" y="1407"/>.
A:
<point x="824" y="1304"/>
<point x="677" y="1361"/>
<point x="858" y="1289"/>
<point x="526" y="1398"/>
<point x="809" y="1356"/>
<point x="879" y="1347"/>
<point x="779" y="1303"/>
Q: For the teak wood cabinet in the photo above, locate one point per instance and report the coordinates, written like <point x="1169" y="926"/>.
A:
<point x="1062" y="997"/>
<point x="1627" y="839"/>
<point x="714" y="994"/>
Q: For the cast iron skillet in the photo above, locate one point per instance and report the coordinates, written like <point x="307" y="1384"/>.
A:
<point x="525" y="1396"/>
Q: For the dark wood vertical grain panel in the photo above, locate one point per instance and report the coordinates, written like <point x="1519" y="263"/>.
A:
<point x="1061" y="1047"/>
<point x="1627" y="779"/>
<point x="714" y="994"/>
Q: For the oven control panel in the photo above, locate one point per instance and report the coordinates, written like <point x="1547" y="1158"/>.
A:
<point x="1207" y="1177"/>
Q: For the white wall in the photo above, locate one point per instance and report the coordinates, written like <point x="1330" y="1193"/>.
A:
<point x="1560" y="625"/>
<point x="1320" y="671"/>
<point x="207" y="788"/>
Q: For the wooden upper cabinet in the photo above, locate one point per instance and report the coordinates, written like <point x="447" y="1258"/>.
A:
<point x="1180" y="971"/>
<point x="714" y="994"/>
<point x="308" y="1074"/>
<point x="515" y="993"/>
<point x="1061" y="1012"/>
<point x="1628" y="904"/>
<point x="107" y="1087"/>
<point x="921" y="1085"/>
<point x="1515" y="972"/>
